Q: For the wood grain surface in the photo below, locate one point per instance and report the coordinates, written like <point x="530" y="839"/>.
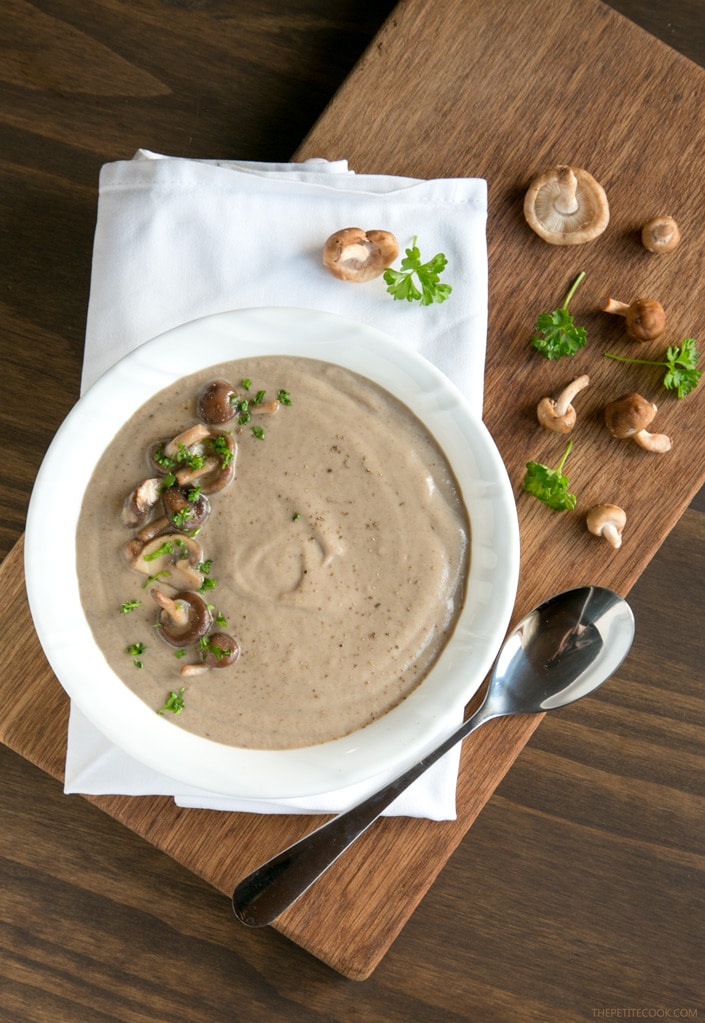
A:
<point x="580" y="885"/>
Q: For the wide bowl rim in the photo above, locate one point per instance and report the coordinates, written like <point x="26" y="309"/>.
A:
<point x="387" y="746"/>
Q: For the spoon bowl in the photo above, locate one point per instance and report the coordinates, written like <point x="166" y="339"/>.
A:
<point x="556" y="654"/>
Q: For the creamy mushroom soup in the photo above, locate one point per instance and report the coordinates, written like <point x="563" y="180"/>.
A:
<point x="331" y="568"/>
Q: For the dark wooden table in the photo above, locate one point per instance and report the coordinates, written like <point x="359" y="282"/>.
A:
<point x="579" y="891"/>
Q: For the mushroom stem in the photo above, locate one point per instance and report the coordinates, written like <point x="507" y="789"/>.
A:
<point x="565" y="398"/>
<point x="194" y="669"/>
<point x="177" y="610"/>
<point x="566" y="201"/>
<point x="659" y="443"/>
<point x="611" y="305"/>
<point x="193" y="435"/>
<point x="612" y="535"/>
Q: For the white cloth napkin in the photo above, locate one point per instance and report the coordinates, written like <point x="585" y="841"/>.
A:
<point x="178" y="239"/>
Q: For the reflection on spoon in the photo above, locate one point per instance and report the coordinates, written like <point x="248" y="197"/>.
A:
<point x="559" y="652"/>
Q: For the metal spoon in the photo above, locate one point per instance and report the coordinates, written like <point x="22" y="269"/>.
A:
<point x="562" y="650"/>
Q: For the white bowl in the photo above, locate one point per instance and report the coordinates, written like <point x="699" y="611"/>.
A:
<point x="390" y="744"/>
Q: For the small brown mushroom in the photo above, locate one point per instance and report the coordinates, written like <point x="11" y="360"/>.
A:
<point x="645" y="318"/>
<point x="139" y="505"/>
<point x="184" y="512"/>
<point x="186" y="439"/>
<point x="183" y="619"/>
<point x="607" y="520"/>
<point x="559" y="415"/>
<point x="356" y="255"/>
<point x="566" y="206"/>
<point x="629" y="416"/>
<point x="660" y="234"/>
<point x="216" y="402"/>
<point x="219" y="650"/>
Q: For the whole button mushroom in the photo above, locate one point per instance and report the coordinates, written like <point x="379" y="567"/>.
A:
<point x="660" y="234"/>
<point x="566" y="206"/>
<point x="629" y="416"/>
<point x="356" y="255"/>
<point x="645" y="319"/>
<point x="219" y="650"/>
<point x="216" y="403"/>
<point x="559" y="415"/>
<point x="607" y="520"/>
<point x="184" y="513"/>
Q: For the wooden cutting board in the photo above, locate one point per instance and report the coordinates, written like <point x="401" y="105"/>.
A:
<point x="498" y="90"/>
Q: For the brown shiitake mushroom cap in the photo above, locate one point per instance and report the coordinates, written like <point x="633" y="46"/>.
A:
<point x="566" y="206"/>
<point x="629" y="416"/>
<point x="216" y="402"/>
<point x="644" y="318"/>
<point x="356" y="255"/>
<point x="660" y="234"/>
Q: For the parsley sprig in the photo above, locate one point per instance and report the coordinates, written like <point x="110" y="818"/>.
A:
<point x="400" y="283"/>
<point x="550" y="485"/>
<point x="555" y="333"/>
<point x="680" y="361"/>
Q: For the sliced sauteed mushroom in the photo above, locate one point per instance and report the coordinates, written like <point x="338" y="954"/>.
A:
<point x="559" y="415"/>
<point x="566" y="206"/>
<point x="629" y="417"/>
<point x="183" y="619"/>
<point x="660" y="234"/>
<point x="173" y="557"/>
<point x="607" y="520"/>
<point x="644" y="318"/>
<point x="356" y="255"/>
<point x="139" y="505"/>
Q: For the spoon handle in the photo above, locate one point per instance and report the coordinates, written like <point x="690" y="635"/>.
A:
<point x="271" y="888"/>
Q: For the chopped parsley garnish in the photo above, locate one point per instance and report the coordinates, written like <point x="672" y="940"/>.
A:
<point x="180" y="517"/>
<point x="205" y="566"/>
<point x="258" y="432"/>
<point x="284" y="397"/>
<point x="168" y="481"/>
<point x="222" y="449"/>
<point x="166" y="548"/>
<point x="259" y="397"/>
<point x="246" y="383"/>
<point x="208" y="645"/>
<point x="128" y="606"/>
<point x="189" y="458"/>
<point x="174" y="702"/>
<point x="295" y="517"/>
<point x="152" y="578"/>
<point x="162" y="459"/>
<point x="194" y="493"/>
<point x="135" y="650"/>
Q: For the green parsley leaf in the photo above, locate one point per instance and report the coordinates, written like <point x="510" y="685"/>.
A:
<point x="400" y="283"/>
<point x="174" y="702"/>
<point x="549" y="485"/>
<point x="166" y="548"/>
<point x="555" y="333"/>
<point x="680" y="361"/>
<point x="128" y="606"/>
<point x="258" y="432"/>
<point x="135" y="650"/>
<point x="259" y="397"/>
<point x="246" y="383"/>
<point x="283" y="397"/>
